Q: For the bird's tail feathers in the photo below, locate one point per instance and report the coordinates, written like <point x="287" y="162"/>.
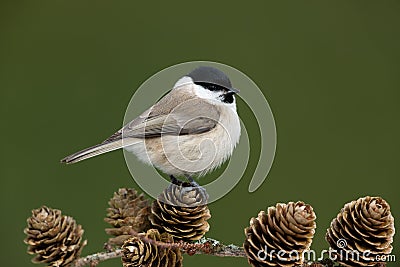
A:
<point x="95" y="151"/>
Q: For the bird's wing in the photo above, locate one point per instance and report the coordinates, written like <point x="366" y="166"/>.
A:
<point x="175" y="114"/>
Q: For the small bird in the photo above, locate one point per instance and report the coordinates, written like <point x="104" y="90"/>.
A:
<point x="189" y="132"/>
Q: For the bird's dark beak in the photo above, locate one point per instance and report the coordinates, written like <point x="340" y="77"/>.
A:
<point x="234" y="90"/>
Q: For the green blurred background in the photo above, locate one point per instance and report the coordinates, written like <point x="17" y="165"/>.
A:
<point x="329" y="69"/>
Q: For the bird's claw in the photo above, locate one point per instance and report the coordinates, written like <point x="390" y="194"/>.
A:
<point x="175" y="181"/>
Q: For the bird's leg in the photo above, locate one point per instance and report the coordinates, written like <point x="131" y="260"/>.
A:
<point x="192" y="181"/>
<point x="175" y="181"/>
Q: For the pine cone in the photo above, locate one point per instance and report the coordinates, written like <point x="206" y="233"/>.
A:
<point x="136" y="251"/>
<point x="128" y="211"/>
<point x="54" y="238"/>
<point x="364" y="227"/>
<point x="182" y="212"/>
<point x="274" y="238"/>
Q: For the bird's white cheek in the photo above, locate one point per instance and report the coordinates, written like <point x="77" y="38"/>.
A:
<point x="205" y="94"/>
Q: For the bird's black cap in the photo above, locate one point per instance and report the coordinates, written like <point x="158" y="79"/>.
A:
<point x="205" y="74"/>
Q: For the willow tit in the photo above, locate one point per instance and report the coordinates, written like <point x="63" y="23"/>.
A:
<point x="190" y="131"/>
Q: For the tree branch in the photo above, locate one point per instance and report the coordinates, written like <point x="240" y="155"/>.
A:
<point x="216" y="248"/>
<point x="203" y="246"/>
<point x="206" y="246"/>
<point x="94" y="259"/>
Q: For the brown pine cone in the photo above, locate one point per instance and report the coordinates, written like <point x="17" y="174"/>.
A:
<point x="128" y="211"/>
<point x="276" y="238"/>
<point x="139" y="251"/>
<point x="54" y="238"/>
<point x="364" y="227"/>
<point x="181" y="210"/>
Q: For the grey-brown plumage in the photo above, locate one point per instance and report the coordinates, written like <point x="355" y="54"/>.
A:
<point x="194" y="111"/>
<point x="176" y="114"/>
